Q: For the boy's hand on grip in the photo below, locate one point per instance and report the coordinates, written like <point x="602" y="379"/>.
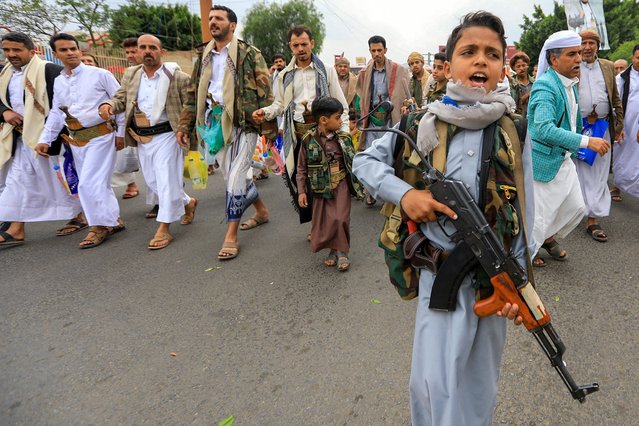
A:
<point x="420" y="206"/>
<point x="510" y="312"/>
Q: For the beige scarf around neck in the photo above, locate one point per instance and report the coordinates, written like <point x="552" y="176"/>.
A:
<point x="36" y="106"/>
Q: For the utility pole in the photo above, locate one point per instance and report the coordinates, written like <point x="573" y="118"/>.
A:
<point x="205" y="8"/>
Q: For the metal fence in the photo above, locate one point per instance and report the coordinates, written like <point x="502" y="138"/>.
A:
<point x="114" y="59"/>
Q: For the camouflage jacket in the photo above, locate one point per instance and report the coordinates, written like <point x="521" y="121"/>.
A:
<point x="317" y="164"/>
<point x="434" y="94"/>
<point x="246" y="87"/>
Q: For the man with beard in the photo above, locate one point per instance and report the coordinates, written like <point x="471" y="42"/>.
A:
<point x="554" y="126"/>
<point x="381" y="80"/>
<point x="598" y="101"/>
<point x="152" y="96"/>
<point x="418" y="85"/>
<point x="347" y="81"/>
<point x="304" y="80"/>
<point x="278" y="62"/>
<point x="78" y="92"/>
<point x="32" y="193"/>
<point x="233" y="79"/>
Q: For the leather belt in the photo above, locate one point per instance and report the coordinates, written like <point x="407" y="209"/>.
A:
<point x="422" y="254"/>
<point x="158" y="129"/>
<point x="82" y="136"/>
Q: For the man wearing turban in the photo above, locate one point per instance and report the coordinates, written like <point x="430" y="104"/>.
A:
<point x="554" y="128"/>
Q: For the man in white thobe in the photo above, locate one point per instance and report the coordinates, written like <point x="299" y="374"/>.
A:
<point x="32" y="191"/>
<point x="80" y="90"/>
<point x="153" y="95"/>
<point x="625" y="165"/>
<point x="553" y="127"/>
<point x="598" y="99"/>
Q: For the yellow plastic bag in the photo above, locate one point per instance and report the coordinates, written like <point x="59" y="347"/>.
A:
<point x="195" y="168"/>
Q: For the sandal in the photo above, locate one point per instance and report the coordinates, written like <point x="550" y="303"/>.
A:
<point x="554" y="250"/>
<point x="370" y="201"/>
<point x="164" y="239"/>
<point x="331" y="259"/>
<point x="130" y="194"/>
<point x="117" y="228"/>
<point x="229" y="250"/>
<point x="615" y="195"/>
<point x="597" y="233"/>
<point x="96" y="236"/>
<point x="253" y="222"/>
<point x="4" y="226"/>
<point x="153" y="213"/>
<point x="10" y="240"/>
<point x="343" y="262"/>
<point x="538" y="262"/>
<point x="189" y="212"/>
<point x="71" y="227"/>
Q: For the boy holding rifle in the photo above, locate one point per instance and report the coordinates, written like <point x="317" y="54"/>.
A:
<point x="471" y="140"/>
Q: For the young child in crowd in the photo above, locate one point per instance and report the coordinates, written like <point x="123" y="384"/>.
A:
<point x="353" y="116"/>
<point x="437" y="88"/>
<point x="324" y="162"/>
<point x="456" y="354"/>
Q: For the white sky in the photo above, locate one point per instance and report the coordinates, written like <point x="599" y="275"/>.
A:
<point x="407" y="25"/>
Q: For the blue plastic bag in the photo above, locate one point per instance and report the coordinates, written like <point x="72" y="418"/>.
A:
<point x="596" y="130"/>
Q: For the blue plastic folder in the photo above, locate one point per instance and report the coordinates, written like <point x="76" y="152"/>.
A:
<point x="596" y="130"/>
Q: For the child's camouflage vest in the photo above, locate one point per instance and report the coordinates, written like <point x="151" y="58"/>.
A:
<point x="503" y="189"/>
<point x="319" y="173"/>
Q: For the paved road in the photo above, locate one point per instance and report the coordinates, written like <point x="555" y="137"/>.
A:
<point x="276" y="338"/>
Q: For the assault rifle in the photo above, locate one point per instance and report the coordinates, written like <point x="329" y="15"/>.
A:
<point x="506" y="275"/>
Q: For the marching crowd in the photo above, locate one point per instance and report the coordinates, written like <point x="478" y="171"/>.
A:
<point x="534" y="149"/>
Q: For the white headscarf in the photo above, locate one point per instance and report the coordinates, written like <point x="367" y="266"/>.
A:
<point x="558" y="40"/>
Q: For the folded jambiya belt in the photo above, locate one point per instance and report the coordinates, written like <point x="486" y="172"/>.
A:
<point x="79" y="135"/>
<point x="141" y="130"/>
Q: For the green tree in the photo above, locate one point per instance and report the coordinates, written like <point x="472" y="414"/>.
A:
<point x="538" y="28"/>
<point x="621" y="17"/>
<point x="624" y="51"/>
<point x="37" y="18"/>
<point x="89" y="15"/>
<point x="175" y="25"/>
<point x="266" y="25"/>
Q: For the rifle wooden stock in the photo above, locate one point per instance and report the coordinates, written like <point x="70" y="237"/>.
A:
<point x="531" y="309"/>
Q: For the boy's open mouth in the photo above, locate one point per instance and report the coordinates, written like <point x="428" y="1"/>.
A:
<point x="478" y="79"/>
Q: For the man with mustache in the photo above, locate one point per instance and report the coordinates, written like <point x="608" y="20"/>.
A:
<point x="304" y="80"/>
<point x="554" y="125"/>
<point x="152" y="96"/>
<point x="598" y="101"/>
<point x="32" y="192"/>
<point x="233" y="82"/>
